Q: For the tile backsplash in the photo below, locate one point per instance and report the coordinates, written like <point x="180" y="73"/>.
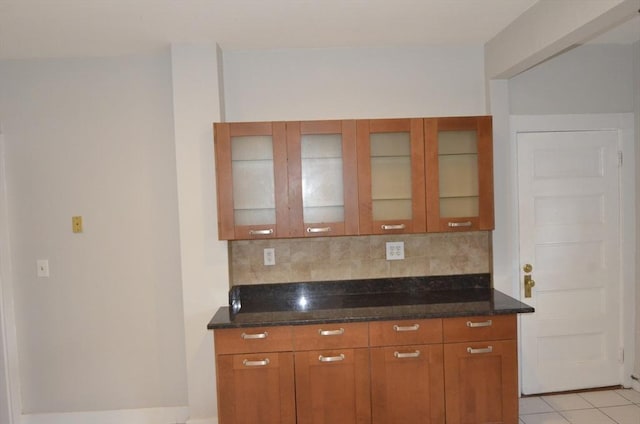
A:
<point x="346" y="258"/>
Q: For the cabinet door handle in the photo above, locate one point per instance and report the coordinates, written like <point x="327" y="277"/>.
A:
<point x="413" y="327"/>
<point x="318" y="229"/>
<point x="338" y="332"/>
<point x="487" y="349"/>
<point x="261" y="232"/>
<point x="487" y="323"/>
<point x="331" y="358"/>
<point x="246" y="336"/>
<point x="459" y="224"/>
<point x="262" y="363"/>
<point x="403" y="355"/>
<point x="393" y="226"/>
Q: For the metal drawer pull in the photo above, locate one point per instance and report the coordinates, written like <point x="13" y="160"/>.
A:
<point x="487" y="323"/>
<point x="487" y="349"/>
<point x="246" y="336"/>
<point x="393" y="226"/>
<point x="318" y="229"/>
<point x="331" y="358"/>
<point x="338" y="332"/>
<point x="402" y="355"/>
<point x="262" y="363"/>
<point x="413" y="327"/>
<point x="460" y="224"/>
<point x="261" y="232"/>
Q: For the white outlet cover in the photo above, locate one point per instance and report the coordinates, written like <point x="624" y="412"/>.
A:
<point x="395" y="250"/>
<point x="269" y="256"/>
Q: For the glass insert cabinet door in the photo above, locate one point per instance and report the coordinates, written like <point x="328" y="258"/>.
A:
<point x="391" y="180"/>
<point x="251" y="170"/>
<point x="322" y="178"/>
<point x="459" y="171"/>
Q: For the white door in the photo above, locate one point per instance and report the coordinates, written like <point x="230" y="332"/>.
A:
<point x="569" y="223"/>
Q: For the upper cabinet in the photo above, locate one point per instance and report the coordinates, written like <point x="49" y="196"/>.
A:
<point x="322" y="169"/>
<point x="391" y="178"/>
<point x="459" y="156"/>
<point x="334" y="178"/>
<point x="251" y="170"/>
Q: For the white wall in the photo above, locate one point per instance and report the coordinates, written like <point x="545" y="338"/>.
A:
<point x="353" y="83"/>
<point x="94" y="137"/>
<point x="587" y="79"/>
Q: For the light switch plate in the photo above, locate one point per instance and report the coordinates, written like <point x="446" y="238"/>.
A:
<point x="43" y="267"/>
<point x="395" y="250"/>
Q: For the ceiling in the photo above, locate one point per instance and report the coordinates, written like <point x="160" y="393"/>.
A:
<point x="77" y="28"/>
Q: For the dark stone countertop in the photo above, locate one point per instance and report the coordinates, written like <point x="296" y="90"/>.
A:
<point x="364" y="300"/>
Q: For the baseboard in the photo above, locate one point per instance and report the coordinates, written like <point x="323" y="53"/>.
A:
<point x="635" y="385"/>
<point x="175" y="415"/>
<point x="204" y="421"/>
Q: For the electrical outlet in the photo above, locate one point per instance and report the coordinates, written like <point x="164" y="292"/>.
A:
<point x="395" y="250"/>
<point x="269" y="256"/>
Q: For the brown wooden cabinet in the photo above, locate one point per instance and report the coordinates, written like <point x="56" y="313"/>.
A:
<point x="481" y="370"/>
<point x="251" y="172"/>
<point x="407" y="378"/>
<point x="334" y="178"/>
<point x="459" y="166"/>
<point x="453" y="370"/>
<point x="332" y="373"/>
<point x="323" y="193"/>
<point x="391" y="178"/>
<point x="255" y="375"/>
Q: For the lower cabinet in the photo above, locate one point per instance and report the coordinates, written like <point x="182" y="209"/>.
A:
<point x="481" y="382"/>
<point x="407" y="384"/>
<point x="333" y="386"/>
<point x="453" y="370"/>
<point x="256" y="389"/>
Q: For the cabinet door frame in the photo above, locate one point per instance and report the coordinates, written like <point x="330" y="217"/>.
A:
<point x="455" y="354"/>
<point x="297" y="226"/>
<point x="265" y="370"/>
<point x="227" y="228"/>
<point x="483" y="127"/>
<point x="411" y="376"/>
<point x="417" y="224"/>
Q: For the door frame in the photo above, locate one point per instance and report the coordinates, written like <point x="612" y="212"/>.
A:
<point x="8" y="337"/>
<point x="624" y="124"/>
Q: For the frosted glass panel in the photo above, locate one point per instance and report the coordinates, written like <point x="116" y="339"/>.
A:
<point x="324" y="214"/>
<point x="253" y="185"/>
<point x="390" y="144"/>
<point x="458" y="175"/>
<point x="254" y="216"/>
<point x="391" y="177"/>
<point x="253" y="180"/>
<point x="391" y="209"/>
<point x="321" y="146"/>
<point x="322" y="178"/>
<point x="254" y="147"/>
<point x="458" y="207"/>
<point x="457" y="142"/>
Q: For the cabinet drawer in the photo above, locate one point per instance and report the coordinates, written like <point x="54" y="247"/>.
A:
<point x="254" y="339"/>
<point x="331" y="336"/>
<point x="405" y="332"/>
<point x="495" y="327"/>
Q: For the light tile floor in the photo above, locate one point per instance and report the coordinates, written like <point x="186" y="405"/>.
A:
<point x="598" y="407"/>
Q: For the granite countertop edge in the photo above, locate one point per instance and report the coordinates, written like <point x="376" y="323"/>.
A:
<point x="489" y="302"/>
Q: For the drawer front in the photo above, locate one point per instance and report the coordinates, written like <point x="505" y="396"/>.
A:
<point x="496" y="327"/>
<point x="405" y="332"/>
<point x="254" y="339"/>
<point x="331" y="336"/>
